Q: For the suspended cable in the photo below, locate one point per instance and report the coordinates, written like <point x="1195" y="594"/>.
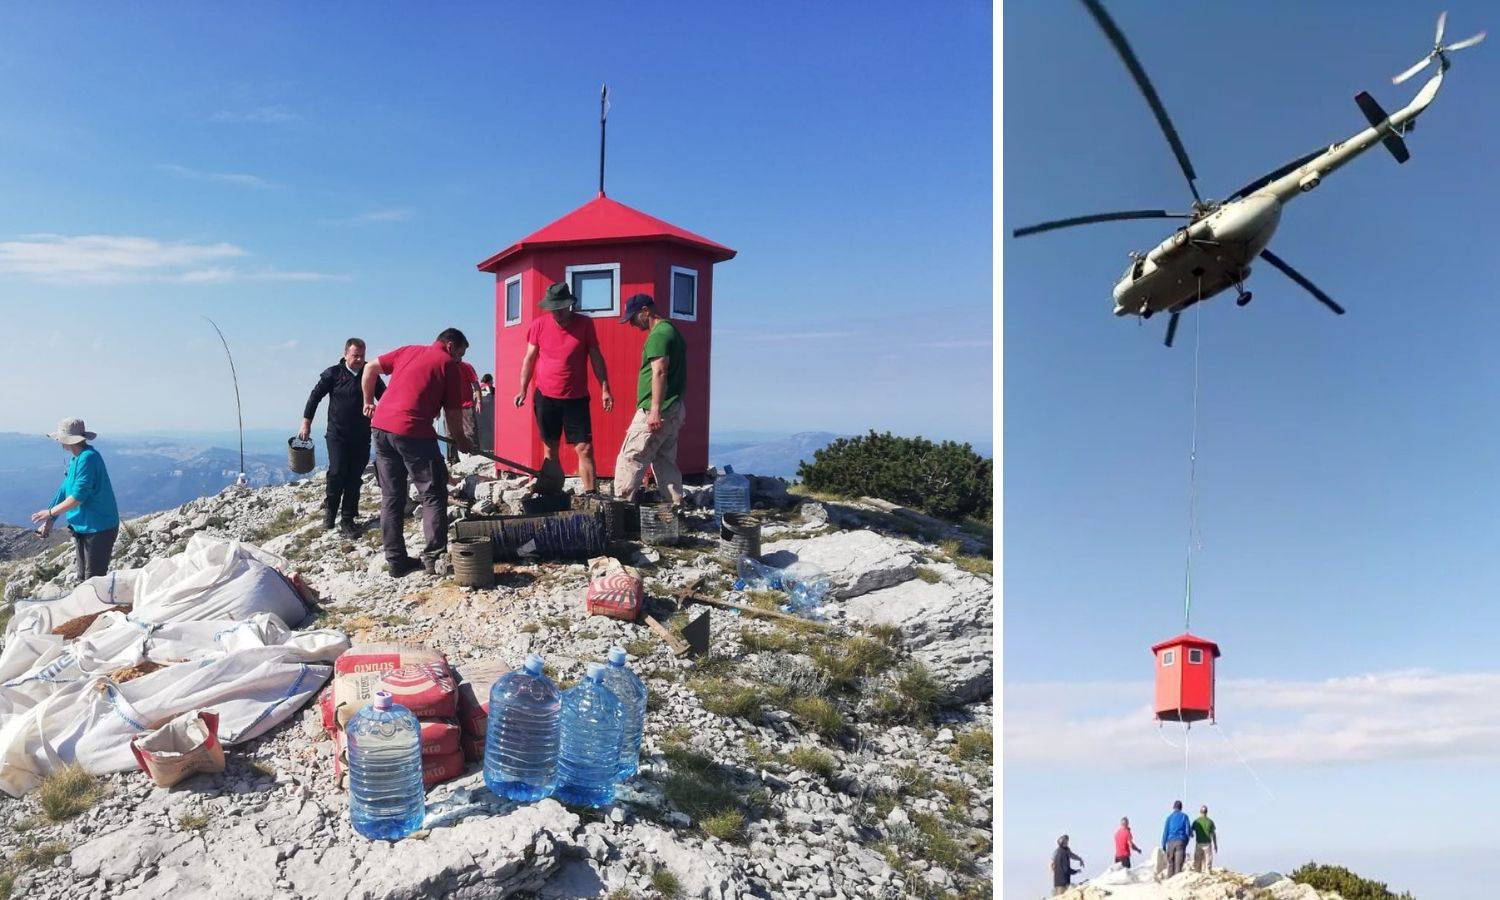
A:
<point x="1244" y="762"/>
<point x="1187" y="603"/>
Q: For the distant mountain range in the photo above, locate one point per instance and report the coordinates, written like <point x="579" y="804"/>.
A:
<point x="148" y="474"/>
<point x="157" y="471"/>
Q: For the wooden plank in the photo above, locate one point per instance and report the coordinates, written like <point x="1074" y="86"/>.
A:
<point x="687" y="596"/>
<point x="678" y="645"/>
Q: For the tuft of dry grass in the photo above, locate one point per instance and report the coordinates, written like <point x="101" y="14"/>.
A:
<point x="811" y="759"/>
<point x="726" y="826"/>
<point x="977" y="745"/>
<point x="67" y="792"/>
<point x="931" y="576"/>
<point x="666" y="884"/>
<point x="819" y="714"/>
<point x="192" y="821"/>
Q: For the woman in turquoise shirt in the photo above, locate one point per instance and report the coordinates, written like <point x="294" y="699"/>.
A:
<point x="87" y="499"/>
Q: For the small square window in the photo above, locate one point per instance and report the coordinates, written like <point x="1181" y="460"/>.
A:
<point x="513" y="300"/>
<point x="1168" y="658"/>
<point x="1195" y="657"/>
<point x="684" y="293"/>
<point x="596" y="287"/>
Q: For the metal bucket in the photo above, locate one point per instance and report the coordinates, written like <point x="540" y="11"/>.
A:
<point x="575" y="534"/>
<point x="739" y="536"/>
<point x="299" y="455"/>
<point x="473" y="561"/>
<point x="658" y="524"/>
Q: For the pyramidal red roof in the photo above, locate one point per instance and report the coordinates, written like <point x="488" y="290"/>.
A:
<point x="606" y="221"/>
<point x="1188" y="639"/>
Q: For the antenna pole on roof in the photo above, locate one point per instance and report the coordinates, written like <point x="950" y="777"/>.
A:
<point x="603" y="113"/>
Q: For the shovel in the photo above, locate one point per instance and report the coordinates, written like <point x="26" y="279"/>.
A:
<point x="549" y="480"/>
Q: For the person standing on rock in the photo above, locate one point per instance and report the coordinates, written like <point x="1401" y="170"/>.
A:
<point x="424" y="380"/>
<point x="1174" y="836"/>
<point x="88" y="500"/>
<point x="1062" y="866"/>
<point x="652" y="437"/>
<point x="348" y="434"/>
<point x="1124" y="843"/>
<point x="470" y="411"/>
<point x="1205" y="842"/>
<point x="558" y="349"/>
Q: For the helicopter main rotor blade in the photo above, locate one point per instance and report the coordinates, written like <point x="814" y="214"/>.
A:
<point x="1466" y="42"/>
<point x="1127" y="55"/>
<point x="1172" y="328"/>
<point x="1442" y="21"/>
<point x="1269" y="177"/>
<point x="1099" y="217"/>
<point x="1412" y="71"/>
<point x="1296" y="276"/>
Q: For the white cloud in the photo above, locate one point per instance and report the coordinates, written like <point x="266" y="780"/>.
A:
<point x="117" y="259"/>
<point x="375" y="216"/>
<point x="951" y="345"/>
<point x="289" y="344"/>
<point x="1406" y="715"/>
<point x="260" y="115"/>
<point x="238" y="179"/>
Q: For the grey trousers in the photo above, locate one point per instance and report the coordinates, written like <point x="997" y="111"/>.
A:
<point x="398" y="459"/>
<point x="1176" y="857"/>
<point x="92" y="550"/>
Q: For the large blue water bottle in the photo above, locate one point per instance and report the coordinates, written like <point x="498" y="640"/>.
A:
<point x="731" y="494"/>
<point x="589" y="758"/>
<point x="520" y="744"/>
<point x="386" y="802"/>
<point x="631" y="692"/>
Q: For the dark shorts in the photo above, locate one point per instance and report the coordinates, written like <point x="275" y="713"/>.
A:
<point x="557" y="417"/>
<point x="1123" y="860"/>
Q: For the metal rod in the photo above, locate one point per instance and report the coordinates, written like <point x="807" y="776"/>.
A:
<point x="239" y="414"/>
<point x="603" y="111"/>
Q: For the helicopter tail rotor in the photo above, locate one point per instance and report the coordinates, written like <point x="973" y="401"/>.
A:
<point x="1439" y="49"/>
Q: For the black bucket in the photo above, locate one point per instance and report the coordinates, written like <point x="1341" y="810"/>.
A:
<point x="473" y="561"/>
<point x="739" y="536"/>
<point x="299" y="455"/>
<point x="574" y="534"/>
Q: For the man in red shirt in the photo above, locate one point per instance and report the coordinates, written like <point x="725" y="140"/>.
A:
<point x="556" y="347"/>
<point x="470" y="417"/>
<point x="1124" y="843"/>
<point x="423" y="381"/>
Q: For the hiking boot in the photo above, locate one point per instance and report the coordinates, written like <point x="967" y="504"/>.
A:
<point x="403" y="567"/>
<point x="328" y="523"/>
<point x="435" y="565"/>
<point x="348" y="528"/>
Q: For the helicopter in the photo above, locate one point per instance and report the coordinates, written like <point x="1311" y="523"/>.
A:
<point x="1212" y="252"/>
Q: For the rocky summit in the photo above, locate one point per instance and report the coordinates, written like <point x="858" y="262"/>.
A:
<point x="843" y="758"/>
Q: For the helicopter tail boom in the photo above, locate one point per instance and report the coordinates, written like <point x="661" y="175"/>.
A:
<point x="1381" y="122"/>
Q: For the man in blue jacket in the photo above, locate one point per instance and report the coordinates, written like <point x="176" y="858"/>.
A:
<point x="1174" y="837"/>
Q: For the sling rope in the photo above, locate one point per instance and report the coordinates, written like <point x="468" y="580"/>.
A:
<point x="1187" y="603"/>
<point x="1244" y="762"/>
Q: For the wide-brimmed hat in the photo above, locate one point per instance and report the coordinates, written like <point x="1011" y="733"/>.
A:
<point x="558" y="297"/>
<point x="635" y="304"/>
<point x="71" y="431"/>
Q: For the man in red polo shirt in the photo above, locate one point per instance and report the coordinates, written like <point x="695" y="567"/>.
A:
<point x="471" y="423"/>
<point x="557" y="347"/>
<point x="423" y="381"/>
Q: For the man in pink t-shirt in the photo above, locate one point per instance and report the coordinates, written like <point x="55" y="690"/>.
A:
<point x="424" y="381"/>
<point x="1124" y="843"/>
<point x="470" y="411"/>
<point x="556" y="347"/>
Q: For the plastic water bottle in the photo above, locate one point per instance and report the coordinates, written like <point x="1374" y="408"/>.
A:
<point x="755" y="575"/>
<point x="631" y="692"/>
<point x="731" y="494"/>
<point x="386" y="802"/>
<point x="806" y="585"/>
<point x="520" y="743"/>
<point x="589" y="758"/>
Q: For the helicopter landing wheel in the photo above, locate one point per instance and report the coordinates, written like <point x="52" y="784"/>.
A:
<point x="1243" y="298"/>
<point x="1147" y="313"/>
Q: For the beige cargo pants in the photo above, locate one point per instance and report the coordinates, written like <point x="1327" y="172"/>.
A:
<point x="643" y="447"/>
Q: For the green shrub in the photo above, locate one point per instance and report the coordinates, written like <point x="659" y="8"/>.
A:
<point x="948" y="479"/>
<point x="1347" y="884"/>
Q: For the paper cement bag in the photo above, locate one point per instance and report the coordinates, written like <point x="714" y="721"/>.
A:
<point x="185" y="746"/>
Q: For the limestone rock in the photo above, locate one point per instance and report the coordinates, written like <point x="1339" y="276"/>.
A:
<point x="948" y="626"/>
<point x="857" y="562"/>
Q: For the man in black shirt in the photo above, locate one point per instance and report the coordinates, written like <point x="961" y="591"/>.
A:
<point x="1062" y="866"/>
<point x="348" y="433"/>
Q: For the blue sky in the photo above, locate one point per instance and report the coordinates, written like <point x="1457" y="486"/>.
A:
<point x="303" y="173"/>
<point x="1346" y="498"/>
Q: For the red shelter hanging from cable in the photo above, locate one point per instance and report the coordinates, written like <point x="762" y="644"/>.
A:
<point x="1185" y="678"/>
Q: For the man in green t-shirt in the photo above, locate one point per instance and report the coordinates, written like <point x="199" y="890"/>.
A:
<point x="652" y="437"/>
<point x="1205" y="841"/>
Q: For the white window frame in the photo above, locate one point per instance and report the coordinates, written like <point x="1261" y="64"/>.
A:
<point x="614" y="270"/>
<point x="1195" y="657"/>
<point x="672" y="285"/>
<point x="520" y="301"/>
<point x="1168" y="658"/>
